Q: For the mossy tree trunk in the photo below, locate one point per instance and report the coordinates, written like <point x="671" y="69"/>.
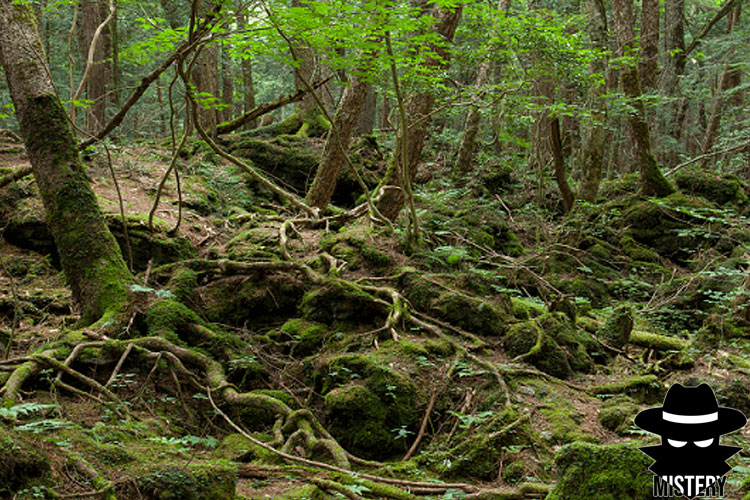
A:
<point x="419" y="106"/>
<point x="89" y="254"/>
<point x="653" y="182"/>
<point x="595" y="142"/>
<point x="337" y="142"/>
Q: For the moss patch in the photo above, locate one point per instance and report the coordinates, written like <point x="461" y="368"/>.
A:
<point x="603" y="472"/>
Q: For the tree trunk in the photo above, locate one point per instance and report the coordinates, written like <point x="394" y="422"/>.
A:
<point x="561" y="170"/>
<point x="595" y="142"/>
<point x="419" y="107"/>
<point x="227" y="86"/>
<point x="674" y="68"/>
<point x="89" y="255"/>
<point x="727" y="80"/>
<point x="366" y="122"/>
<point x="337" y="142"/>
<point x="248" y="87"/>
<point x="649" y="65"/>
<point x="205" y="77"/>
<point x="467" y="147"/>
<point x="93" y="13"/>
<point x="306" y="69"/>
<point x="653" y="182"/>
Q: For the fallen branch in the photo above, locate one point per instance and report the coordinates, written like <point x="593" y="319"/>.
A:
<point x="262" y="109"/>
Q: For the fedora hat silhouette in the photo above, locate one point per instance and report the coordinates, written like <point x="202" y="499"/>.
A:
<point x="690" y="414"/>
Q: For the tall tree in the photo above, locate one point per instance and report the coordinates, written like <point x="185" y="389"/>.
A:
<point x="674" y="68"/>
<point x="227" y="86"/>
<point x="93" y="14"/>
<point x="649" y="64"/>
<point x="595" y="140"/>
<point x="89" y="255"/>
<point x="419" y="107"/>
<point x="653" y="182"/>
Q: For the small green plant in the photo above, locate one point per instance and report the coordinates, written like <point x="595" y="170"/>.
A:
<point x="402" y="432"/>
<point x="24" y="410"/>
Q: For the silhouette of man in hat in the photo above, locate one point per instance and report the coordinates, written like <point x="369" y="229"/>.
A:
<point x="690" y="424"/>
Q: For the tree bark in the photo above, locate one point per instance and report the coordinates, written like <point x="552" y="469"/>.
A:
<point x="467" y="147"/>
<point x="595" y="141"/>
<point x="93" y="13"/>
<point x="366" y="122"/>
<point x="419" y="107"/>
<point x="89" y="255"/>
<point x="306" y="70"/>
<point x="727" y="80"/>
<point x="674" y="68"/>
<point x="227" y="86"/>
<point x="561" y="170"/>
<point x="653" y="182"/>
<point x="649" y="64"/>
<point x="337" y="142"/>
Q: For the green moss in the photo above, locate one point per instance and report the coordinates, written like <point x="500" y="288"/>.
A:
<point x="438" y="347"/>
<point x="340" y="301"/>
<point x="720" y="189"/>
<point x="311" y="335"/>
<point x="214" y="480"/>
<point x="669" y="225"/>
<point x="308" y="492"/>
<point x="357" y="419"/>
<point x="616" y="331"/>
<point x="478" y="452"/>
<point x="617" y="413"/>
<point x="182" y="283"/>
<point x="358" y="381"/>
<point x="473" y="314"/>
<point x="167" y="318"/>
<point x="258" y="299"/>
<point x="612" y="472"/>
<point x="237" y="448"/>
<point x="247" y="373"/>
<point x="514" y="472"/>
<point x="644" y="388"/>
<point x="637" y="252"/>
<point x="22" y="462"/>
<point x="354" y="243"/>
<point x="525" y="309"/>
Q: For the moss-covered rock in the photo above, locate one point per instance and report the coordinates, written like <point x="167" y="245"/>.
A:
<point x="473" y="314"/>
<point x="255" y="300"/>
<point x="637" y="252"/>
<point x="215" y="480"/>
<point x="341" y="302"/>
<point x="553" y="344"/>
<point x="642" y="388"/>
<point x="616" y="331"/>
<point x="614" y="472"/>
<point x="529" y="340"/>
<point x="310" y="335"/>
<point x="354" y="244"/>
<point x="673" y="226"/>
<point x="616" y="414"/>
<point x="356" y="417"/>
<point x="365" y="401"/>
<point x="715" y="187"/>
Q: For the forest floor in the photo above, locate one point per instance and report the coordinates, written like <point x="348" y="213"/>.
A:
<point x="514" y="345"/>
